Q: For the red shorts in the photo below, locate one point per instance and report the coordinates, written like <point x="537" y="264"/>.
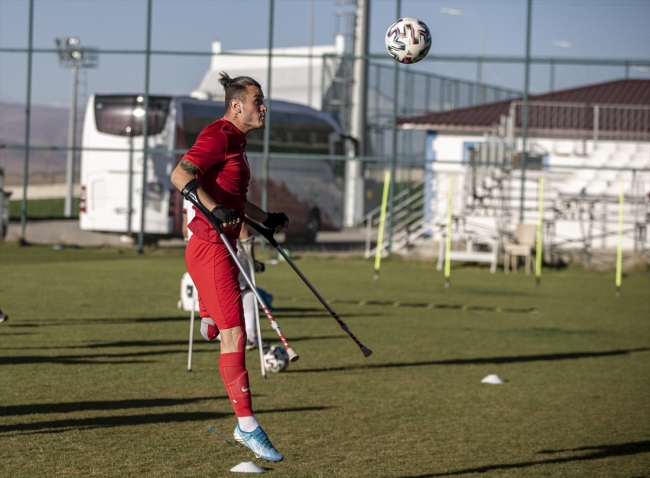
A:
<point x="216" y="277"/>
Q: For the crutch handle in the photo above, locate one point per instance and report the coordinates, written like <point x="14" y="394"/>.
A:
<point x="264" y="231"/>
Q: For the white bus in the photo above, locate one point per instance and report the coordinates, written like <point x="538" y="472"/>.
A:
<point x="307" y="189"/>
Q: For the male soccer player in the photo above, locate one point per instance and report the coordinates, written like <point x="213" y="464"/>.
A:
<point x="244" y="242"/>
<point x="218" y="162"/>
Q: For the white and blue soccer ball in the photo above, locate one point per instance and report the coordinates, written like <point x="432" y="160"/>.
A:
<point x="408" y="40"/>
<point x="276" y="359"/>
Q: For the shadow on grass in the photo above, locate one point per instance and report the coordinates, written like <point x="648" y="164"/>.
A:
<point x="281" y="315"/>
<point x="292" y="313"/>
<point x="596" y="453"/>
<point x="95" y="321"/>
<point x="59" y="426"/>
<point x="482" y="361"/>
<point x="120" y="344"/>
<point x="432" y="305"/>
<point x="85" y="359"/>
<point x="502" y="292"/>
<point x="20" y="333"/>
<point x="144" y="344"/>
<point x="71" y="407"/>
<point x="313" y="312"/>
<point x="422" y="305"/>
<point x="299" y="310"/>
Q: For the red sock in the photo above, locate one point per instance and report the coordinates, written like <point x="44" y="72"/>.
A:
<point x="235" y="377"/>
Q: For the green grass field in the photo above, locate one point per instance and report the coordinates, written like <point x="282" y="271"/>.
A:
<point x="94" y="383"/>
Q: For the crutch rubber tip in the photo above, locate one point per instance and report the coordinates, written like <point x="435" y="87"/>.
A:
<point x="366" y="351"/>
<point x="293" y="356"/>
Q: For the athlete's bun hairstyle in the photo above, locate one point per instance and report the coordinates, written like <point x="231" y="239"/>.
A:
<point x="235" y="88"/>
<point x="225" y="80"/>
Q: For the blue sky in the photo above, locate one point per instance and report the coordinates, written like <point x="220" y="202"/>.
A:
<point x="600" y="28"/>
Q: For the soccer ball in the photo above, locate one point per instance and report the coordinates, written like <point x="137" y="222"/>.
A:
<point x="408" y="40"/>
<point x="276" y="359"/>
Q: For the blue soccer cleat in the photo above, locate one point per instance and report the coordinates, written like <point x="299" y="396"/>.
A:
<point x="259" y="443"/>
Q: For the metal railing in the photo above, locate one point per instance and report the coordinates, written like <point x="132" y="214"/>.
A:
<point x="584" y="120"/>
<point x="408" y="222"/>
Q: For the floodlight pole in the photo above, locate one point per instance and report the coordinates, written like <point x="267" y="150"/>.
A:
<point x="353" y="205"/>
<point x="73" y="56"/>
<point x="145" y="133"/>
<point x="72" y="142"/>
<point x="28" y="107"/>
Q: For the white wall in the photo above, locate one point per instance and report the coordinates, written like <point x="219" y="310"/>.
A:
<point x="290" y="80"/>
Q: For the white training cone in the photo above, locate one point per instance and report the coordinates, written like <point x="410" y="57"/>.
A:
<point x="492" y="379"/>
<point x="247" y="467"/>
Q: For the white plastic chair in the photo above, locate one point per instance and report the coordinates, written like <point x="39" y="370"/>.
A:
<point x="522" y="246"/>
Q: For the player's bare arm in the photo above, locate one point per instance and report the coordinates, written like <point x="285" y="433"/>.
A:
<point x="186" y="171"/>
<point x="277" y="221"/>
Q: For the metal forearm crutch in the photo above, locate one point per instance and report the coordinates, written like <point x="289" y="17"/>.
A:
<point x="248" y="249"/>
<point x="193" y="198"/>
<point x="268" y="234"/>
<point x="189" y="355"/>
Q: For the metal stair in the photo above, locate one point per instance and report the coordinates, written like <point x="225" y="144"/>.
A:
<point x="409" y="227"/>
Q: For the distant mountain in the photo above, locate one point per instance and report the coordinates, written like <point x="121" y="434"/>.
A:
<point x="48" y="127"/>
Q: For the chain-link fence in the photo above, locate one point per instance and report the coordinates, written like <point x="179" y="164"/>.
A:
<point x="93" y="167"/>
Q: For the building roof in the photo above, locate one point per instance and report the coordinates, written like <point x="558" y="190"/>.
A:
<point x="480" y="118"/>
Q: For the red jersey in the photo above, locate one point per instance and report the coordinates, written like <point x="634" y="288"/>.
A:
<point x="220" y="155"/>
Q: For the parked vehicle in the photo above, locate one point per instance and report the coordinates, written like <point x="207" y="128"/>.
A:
<point x="300" y="183"/>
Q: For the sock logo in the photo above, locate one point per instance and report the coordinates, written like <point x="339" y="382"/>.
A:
<point x="244" y="390"/>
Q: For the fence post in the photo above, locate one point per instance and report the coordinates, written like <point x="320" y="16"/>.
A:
<point x="596" y="119"/>
<point x="524" y="126"/>
<point x="393" y="164"/>
<point x="267" y="121"/>
<point x="145" y="132"/>
<point x="28" y="107"/>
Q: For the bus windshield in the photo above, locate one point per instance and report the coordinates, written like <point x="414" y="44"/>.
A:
<point x="123" y="115"/>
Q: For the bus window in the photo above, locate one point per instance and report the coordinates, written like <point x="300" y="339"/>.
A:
<point x="293" y="133"/>
<point x="196" y="117"/>
<point x="122" y="115"/>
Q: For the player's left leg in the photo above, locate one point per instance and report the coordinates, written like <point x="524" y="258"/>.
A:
<point x="232" y="366"/>
<point x="250" y="317"/>
<point x="220" y="293"/>
<point x="248" y="301"/>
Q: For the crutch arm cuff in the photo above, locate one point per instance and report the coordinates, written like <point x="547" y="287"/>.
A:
<point x="190" y="187"/>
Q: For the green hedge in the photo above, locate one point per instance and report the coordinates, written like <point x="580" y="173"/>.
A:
<point x="43" y="209"/>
